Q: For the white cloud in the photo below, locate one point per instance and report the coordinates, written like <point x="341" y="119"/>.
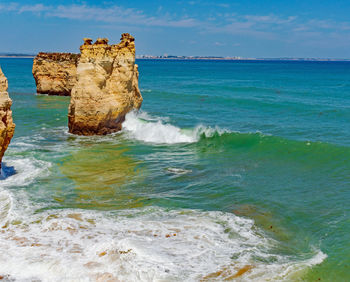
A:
<point x="219" y="44"/>
<point x="112" y="14"/>
<point x="9" y="7"/>
<point x="269" y="19"/>
<point x="32" y="8"/>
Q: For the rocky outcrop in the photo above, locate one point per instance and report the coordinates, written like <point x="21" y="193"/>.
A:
<point x="7" y="127"/>
<point x="106" y="89"/>
<point x="55" y="73"/>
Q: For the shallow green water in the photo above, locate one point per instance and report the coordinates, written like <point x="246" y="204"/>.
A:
<point x="247" y="163"/>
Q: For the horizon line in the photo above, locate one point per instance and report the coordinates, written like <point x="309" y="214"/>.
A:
<point x="192" y="57"/>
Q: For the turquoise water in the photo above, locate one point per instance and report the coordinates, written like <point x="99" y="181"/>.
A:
<point x="232" y="170"/>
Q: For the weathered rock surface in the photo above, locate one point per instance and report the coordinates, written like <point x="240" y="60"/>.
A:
<point x="7" y="127"/>
<point x="55" y="73"/>
<point x="106" y="89"/>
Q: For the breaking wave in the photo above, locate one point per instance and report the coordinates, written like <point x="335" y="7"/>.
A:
<point x="143" y="127"/>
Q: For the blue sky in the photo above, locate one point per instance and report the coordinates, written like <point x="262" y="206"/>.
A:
<point x="250" y="28"/>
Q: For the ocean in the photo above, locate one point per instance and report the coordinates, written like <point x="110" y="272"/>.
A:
<point x="230" y="170"/>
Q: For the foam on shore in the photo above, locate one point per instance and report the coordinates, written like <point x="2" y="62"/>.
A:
<point x="5" y="206"/>
<point x="25" y="171"/>
<point x="150" y="244"/>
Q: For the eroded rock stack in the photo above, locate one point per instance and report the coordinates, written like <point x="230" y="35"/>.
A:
<point x="55" y="73"/>
<point x="7" y="127"/>
<point x="106" y="88"/>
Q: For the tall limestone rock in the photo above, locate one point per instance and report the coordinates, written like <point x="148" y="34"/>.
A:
<point x="55" y="73"/>
<point x="7" y="127"/>
<point x="106" y="89"/>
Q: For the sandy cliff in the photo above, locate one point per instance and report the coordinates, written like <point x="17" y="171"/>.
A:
<point x="55" y="73"/>
<point x="106" y="89"/>
<point x="7" y="127"/>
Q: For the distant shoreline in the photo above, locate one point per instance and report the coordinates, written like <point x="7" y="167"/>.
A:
<point x="244" y="59"/>
<point x="184" y="58"/>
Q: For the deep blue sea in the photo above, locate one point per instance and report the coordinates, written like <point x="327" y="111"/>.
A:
<point x="232" y="170"/>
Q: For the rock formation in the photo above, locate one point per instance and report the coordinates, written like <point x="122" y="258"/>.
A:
<point x="7" y="127"/>
<point x="55" y="73"/>
<point x="106" y="89"/>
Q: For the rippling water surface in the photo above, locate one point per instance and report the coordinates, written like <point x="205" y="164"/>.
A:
<point x="231" y="170"/>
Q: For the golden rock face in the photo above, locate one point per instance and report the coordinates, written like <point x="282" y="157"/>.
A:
<point x="106" y="88"/>
<point x="7" y="127"/>
<point x="55" y="73"/>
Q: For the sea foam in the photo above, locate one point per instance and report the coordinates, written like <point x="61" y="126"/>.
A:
<point x="27" y="170"/>
<point x="5" y="206"/>
<point x="149" y="244"/>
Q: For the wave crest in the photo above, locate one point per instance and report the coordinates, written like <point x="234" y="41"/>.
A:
<point x="144" y="127"/>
